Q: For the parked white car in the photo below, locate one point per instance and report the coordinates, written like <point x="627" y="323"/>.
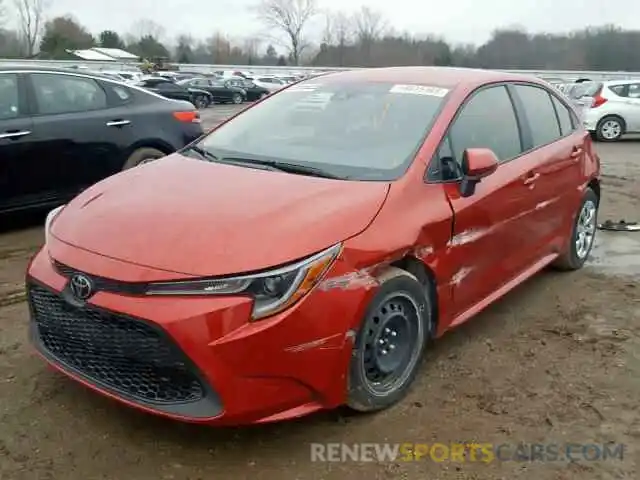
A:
<point x="613" y="108"/>
<point x="271" y="83"/>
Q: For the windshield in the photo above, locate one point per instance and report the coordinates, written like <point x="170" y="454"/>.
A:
<point x="363" y="131"/>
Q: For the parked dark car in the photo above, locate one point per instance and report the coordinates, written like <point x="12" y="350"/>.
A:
<point x="170" y="89"/>
<point x="62" y="131"/>
<point x="254" y="92"/>
<point x="221" y="93"/>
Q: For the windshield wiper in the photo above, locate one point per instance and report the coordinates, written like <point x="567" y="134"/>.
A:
<point x="201" y="152"/>
<point x="285" y="167"/>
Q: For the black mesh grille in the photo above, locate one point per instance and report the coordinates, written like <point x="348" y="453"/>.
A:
<point x="121" y="353"/>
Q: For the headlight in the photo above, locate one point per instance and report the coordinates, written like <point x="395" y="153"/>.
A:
<point x="272" y="291"/>
<point x="51" y="216"/>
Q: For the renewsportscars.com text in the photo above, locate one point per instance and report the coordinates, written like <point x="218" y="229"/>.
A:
<point x="466" y="452"/>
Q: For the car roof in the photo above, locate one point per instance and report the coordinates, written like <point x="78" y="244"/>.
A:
<point x="447" y="77"/>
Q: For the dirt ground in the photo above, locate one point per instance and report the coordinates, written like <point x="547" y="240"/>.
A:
<point x="557" y="360"/>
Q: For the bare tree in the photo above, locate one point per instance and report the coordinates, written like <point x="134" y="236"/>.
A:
<point x="31" y="15"/>
<point x="328" y="32"/>
<point x="251" y="47"/>
<point x="369" y="25"/>
<point x="289" y="17"/>
<point x="342" y="31"/>
<point x="147" y="28"/>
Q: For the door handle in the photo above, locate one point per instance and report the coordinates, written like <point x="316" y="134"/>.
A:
<point x="531" y="178"/>
<point x="118" y="123"/>
<point x="576" y="152"/>
<point x="14" y="134"/>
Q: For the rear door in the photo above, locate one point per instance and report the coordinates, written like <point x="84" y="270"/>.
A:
<point x="17" y="157"/>
<point x="555" y="148"/>
<point x="77" y="133"/>
<point x="171" y="90"/>
<point x="220" y="92"/>
<point x="487" y="241"/>
<point x="633" y="112"/>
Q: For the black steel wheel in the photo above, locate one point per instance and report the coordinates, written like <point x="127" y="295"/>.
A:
<point x="390" y="343"/>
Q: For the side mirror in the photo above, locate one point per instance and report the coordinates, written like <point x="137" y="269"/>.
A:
<point x="477" y="163"/>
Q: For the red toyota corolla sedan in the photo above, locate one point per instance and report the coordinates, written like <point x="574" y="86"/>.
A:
<point x="302" y="255"/>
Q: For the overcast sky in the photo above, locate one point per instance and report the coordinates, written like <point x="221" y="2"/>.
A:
<point x="457" y="20"/>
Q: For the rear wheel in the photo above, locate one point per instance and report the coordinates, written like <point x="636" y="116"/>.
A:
<point x="582" y="235"/>
<point x="201" y="102"/>
<point x="610" y="129"/>
<point x="390" y="344"/>
<point x="142" y="156"/>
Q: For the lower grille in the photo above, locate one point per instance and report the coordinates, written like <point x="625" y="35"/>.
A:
<point x="120" y="353"/>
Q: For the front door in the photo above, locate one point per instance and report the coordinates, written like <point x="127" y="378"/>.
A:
<point x="72" y="133"/>
<point x="487" y="246"/>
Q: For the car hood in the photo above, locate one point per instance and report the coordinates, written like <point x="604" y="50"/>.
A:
<point x="199" y="218"/>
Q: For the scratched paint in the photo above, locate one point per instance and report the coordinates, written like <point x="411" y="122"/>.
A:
<point x="546" y="203"/>
<point x="319" y="343"/>
<point x="424" y="251"/>
<point x="468" y="236"/>
<point x="460" y="275"/>
<point x="358" y="279"/>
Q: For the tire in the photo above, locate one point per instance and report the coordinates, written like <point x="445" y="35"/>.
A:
<point x="237" y="98"/>
<point x="585" y="225"/>
<point x="394" y="333"/>
<point x="201" y="102"/>
<point x="142" y="155"/>
<point x="263" y="95"/>
<point x="610" y="129"/>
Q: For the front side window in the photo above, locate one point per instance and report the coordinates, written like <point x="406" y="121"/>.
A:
<point x="363" y="131"/>
<point x="487" y="120"/>
<point x="67" y="93"/>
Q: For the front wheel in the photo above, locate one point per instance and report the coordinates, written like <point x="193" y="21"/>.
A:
<point x="390" y="344"/>
<point x="582" y="236"/>
<point x="237" y="98"/>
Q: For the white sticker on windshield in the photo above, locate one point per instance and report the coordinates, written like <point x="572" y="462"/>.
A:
<point x="420" y="90"/>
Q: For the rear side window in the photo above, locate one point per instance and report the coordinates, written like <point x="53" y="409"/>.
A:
<point x="9" y="97"/>
<point x="564" y="116"/>
<point x="67" y="93"/>
<point x="121" y="92"/>
<point x="634" y="90"/>
<point x="488" y="120"/>
<point x="618" y="90"/>
<point x="540" y="113"/>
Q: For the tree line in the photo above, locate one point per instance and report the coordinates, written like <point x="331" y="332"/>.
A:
<point x="362" y="38"/>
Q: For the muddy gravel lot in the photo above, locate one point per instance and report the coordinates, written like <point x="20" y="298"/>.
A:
<point x="555" y="362"/>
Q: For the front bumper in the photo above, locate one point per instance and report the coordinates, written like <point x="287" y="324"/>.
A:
<point x="195" y="359"/>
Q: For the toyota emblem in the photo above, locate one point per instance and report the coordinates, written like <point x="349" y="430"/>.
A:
<point x="81" y="286"/>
